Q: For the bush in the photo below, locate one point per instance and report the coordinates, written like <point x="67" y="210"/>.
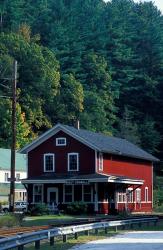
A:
<point x="38" y="209"/>
<point x="10" y="220"/>
<point x="76" y="208"/>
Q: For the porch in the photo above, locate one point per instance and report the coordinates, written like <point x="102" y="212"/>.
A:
<point x="101" y="193"/>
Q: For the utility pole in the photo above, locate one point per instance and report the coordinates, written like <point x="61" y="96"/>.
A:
<point x="13" y="143"/>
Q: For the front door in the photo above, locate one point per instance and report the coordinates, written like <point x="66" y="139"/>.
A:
<point x="52" y="195"/>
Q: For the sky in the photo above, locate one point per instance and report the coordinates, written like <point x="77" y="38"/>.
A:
<point x="158" y="3"/>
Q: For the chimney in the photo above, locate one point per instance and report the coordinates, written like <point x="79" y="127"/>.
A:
<point x="77" y="124"/>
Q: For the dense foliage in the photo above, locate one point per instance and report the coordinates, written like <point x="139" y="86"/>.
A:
<point x="98" y="62"/>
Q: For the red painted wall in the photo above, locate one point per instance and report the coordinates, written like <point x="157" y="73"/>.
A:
<point x="36" y="156"/>
<point x="132" y="168"/>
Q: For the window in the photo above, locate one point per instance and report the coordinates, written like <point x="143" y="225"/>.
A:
<point x="73" y="162"/>
<point x="138" y="195"/>
<point x="121" y="197"/>
<point x="68" y="193"/>
<point x="17" y="177"/>
<point x="60" y="141"/>
<point x="87" y="193"/>
<point x="6" y="177"/>
<point x="130" y="196"/>
<point x="146" y="194"/>
<point x="48" y="162"/>
<point x="37" y="193"/>
<point x="100" y="161"/>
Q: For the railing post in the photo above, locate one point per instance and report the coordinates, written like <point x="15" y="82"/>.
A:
<point x="87" y="232"/>
<point x="37" y="244"/>
<point x="76" y="236"/>
<point x="116" y="229"/>
<point x="21" y="247"/>
<point x="65" y="238"/>
<point x="51" y="241"/>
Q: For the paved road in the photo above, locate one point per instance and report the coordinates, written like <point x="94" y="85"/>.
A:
<point x="127" y="241"/>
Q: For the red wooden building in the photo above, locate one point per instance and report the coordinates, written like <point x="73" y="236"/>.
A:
<point x="66" y="164"/>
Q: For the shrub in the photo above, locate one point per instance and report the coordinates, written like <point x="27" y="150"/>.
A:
<point x="10" y="220"/>
<point x="76" y="208"/>
<point x="39" y="209"/>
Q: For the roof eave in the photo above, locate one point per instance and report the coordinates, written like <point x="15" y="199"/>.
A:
<point x="52" y="132"/>
<point x="154" y="159"/>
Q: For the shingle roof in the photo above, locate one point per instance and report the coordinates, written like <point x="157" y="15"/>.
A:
<point x="5" y="160"/>
<point x="98" y="141"/>
<point x="112" y="144"/>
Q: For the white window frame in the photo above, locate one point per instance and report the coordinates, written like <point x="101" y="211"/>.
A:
<point x="84" y="193"/>
<point x="70" y="193"/>
<point x="130" y="195"/>
<point x="69" y="154"/>
<point x="18" y="179"/>
<point x="146" y="195"/>
<point x="138" y="195"/>
<point x="41" y="185"/>
<point x="121" y="197"/>
<point x="49" y="154"/>
<point x="61" y="138"/>
<point x="6" y="177"/>
<point x="101" y="162"/>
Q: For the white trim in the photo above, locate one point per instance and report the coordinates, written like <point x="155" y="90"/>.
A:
<point x="49" y="154"/>
<point x="82" y="193"/>
<point x="96" y="198"/>
<point x="52" y="132"/>
<point x="100" y="162"/>
<point x="63" y="193"/>
<point x="68" y="163"/>
<point x="138" y="193"/>
<point x="146" y="195"/>
<point x="130" y="193"/>
<point x="61" y="138"/>
<point x="72" y="193"/>
<point x="41" y="193"/>
<point x="89" y="180"/>
<point x="95" y="161"/>
<point x="52" y="189"/>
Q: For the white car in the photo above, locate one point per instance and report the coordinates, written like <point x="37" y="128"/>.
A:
<point x="18" y="206"/>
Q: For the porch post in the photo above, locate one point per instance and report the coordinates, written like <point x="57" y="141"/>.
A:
<point x="96" y="197"/>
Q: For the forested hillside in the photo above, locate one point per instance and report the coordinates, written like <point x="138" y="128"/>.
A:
<point x="101" y="63"/>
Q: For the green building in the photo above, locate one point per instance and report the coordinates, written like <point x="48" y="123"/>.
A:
<point x="5" y="173"/>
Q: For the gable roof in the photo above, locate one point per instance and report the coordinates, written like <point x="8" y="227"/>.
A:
<point x="97" y="141"/>
<point x="5" y="160"/>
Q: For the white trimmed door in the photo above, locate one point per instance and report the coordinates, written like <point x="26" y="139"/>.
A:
<point x="52" y="195"/>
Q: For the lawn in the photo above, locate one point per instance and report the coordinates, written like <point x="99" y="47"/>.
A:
<point x="55" y="219"/>
<point x="45" y="220"/>
<point x="59" y="245"/>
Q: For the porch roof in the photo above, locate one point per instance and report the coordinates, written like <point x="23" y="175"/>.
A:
<point x="81" y="179"/>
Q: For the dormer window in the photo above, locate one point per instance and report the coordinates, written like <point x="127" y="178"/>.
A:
<point x="61" y="141"/>
<point x="49" y="162"/>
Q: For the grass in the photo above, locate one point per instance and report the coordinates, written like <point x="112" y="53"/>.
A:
<point x="60" y="245"/>
<point x="52" y="219"/>
<point x="45" y="220"/>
